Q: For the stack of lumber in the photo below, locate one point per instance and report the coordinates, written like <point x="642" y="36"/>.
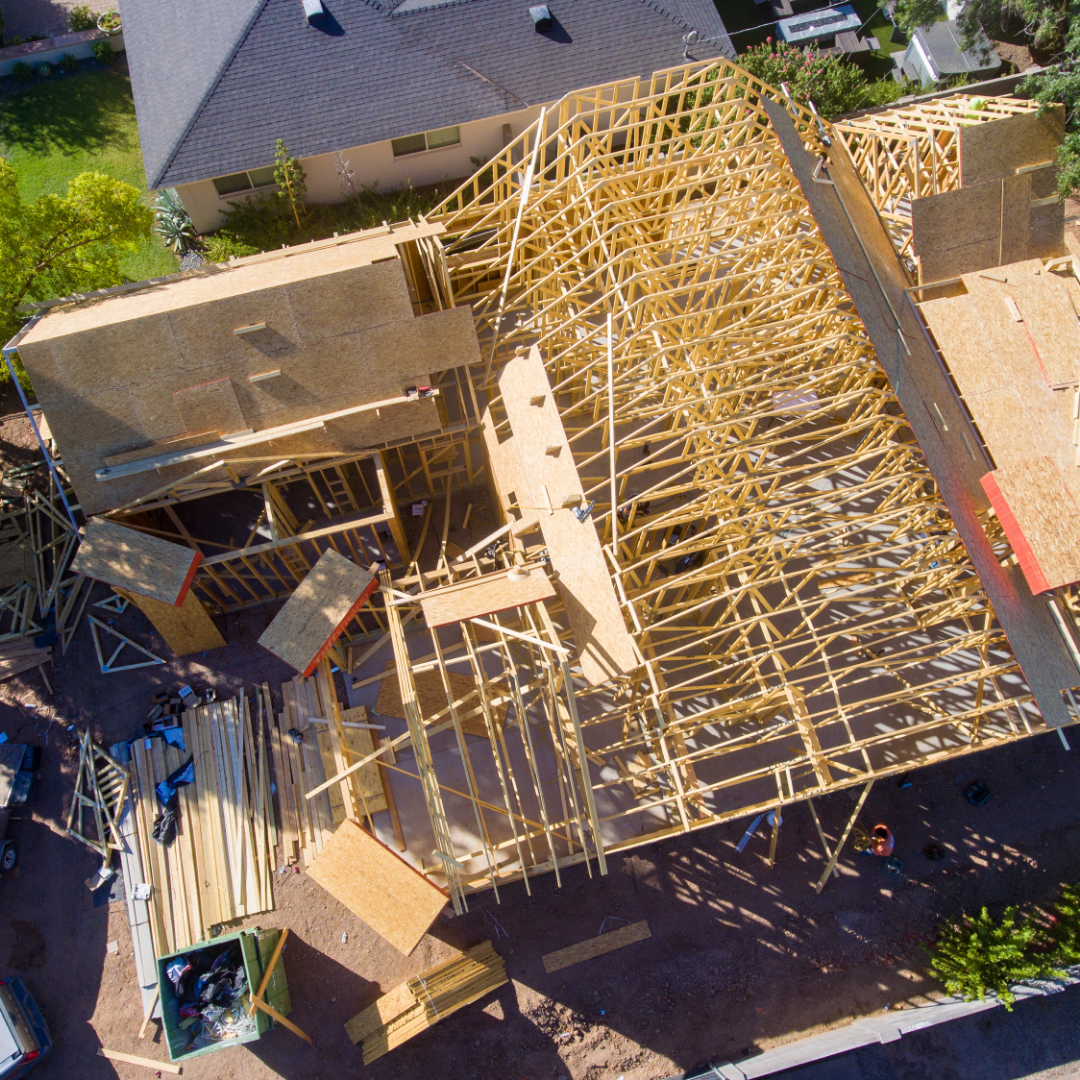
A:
<point x="330" y="741"/>
<point x="425" y="1000"/>
<point x="220" y="867"/>
<point x="101" y="786"/>
<point x="21" y="654"/>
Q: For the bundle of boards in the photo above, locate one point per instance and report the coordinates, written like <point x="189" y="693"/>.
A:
<point x="220" y="866"/>
<point x="310" y="708"/>
<point x="423" y="1001"/>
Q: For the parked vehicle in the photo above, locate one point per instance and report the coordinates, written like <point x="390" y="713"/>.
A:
<point x="17" y="764"/>
<point x="24" y="1035"/>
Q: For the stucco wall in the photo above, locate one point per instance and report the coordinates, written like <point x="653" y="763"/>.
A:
<point x="372" y="165"/>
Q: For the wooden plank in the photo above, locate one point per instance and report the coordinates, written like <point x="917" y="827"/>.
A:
<point x="378" y="886"/>
<point x="134" y="1059"/>
<point x="597" y="946"/>
<point x="186" y="628"/>
<point x="1015" y="219"/>
<point x="579" y="566"/>
<point x="381" y="1011"/>
<point x="137" y="561"/>
<point x="305" y="629"/>
<point x="484" y="596"/>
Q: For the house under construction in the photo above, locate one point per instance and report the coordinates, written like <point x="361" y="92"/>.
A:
<point x="755" y="513"/>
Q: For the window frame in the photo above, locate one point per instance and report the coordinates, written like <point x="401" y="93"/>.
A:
<point x="427" y="148"/>
<point x="251" y="185"/>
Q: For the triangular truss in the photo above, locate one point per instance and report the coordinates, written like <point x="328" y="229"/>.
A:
<point x="116" y="603"/>
<point x="109" y="666"/>
<point x="101" y="786"/>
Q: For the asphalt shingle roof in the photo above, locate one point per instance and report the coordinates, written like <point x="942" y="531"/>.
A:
<point x="216" y="82"/>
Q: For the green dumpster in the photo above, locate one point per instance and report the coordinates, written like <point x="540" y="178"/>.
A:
<point x="256" y="947"/>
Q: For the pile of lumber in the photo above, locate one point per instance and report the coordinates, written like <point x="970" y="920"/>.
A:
<point x="220" y="867"/>
<point x="37" y="542"/>
<point x="425" y="1000"/>
<point x="21" y="654"/>
<point x="331" y="738"/>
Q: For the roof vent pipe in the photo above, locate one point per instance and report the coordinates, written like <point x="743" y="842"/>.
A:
<point x="314" y="12"/>
<point x="541" y="17"/>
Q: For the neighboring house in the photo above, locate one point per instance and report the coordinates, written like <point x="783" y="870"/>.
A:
<point x="935" y="55"/>
<point x="409" y="91"/>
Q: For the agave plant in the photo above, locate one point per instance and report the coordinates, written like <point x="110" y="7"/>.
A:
<point x="173" y="224"/>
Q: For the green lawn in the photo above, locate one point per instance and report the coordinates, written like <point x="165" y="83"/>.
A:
<point x="54" y="130"/>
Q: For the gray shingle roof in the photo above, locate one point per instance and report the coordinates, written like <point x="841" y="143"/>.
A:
<point x="216" y="82"/>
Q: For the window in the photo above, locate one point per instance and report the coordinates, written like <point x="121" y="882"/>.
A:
<point x="429" y="140"/>
<point x="244" y="181"/>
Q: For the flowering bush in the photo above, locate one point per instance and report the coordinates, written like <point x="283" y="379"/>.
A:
<point x="832" y="83"/>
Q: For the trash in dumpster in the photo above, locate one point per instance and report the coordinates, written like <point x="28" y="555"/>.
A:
<point x="213" y="995"/>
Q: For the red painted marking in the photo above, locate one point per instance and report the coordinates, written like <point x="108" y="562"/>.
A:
<point x="1036" y="579"/>
<point x="179" y="601"/>
<point x="366" y="595"/>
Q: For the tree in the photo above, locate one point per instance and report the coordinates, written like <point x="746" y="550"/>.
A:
<point x="912" y="15"/>
<point x="832" y="83"/>
<point x="290" y="179"/>
<point x="979" y="956"/>
<point x="60" y="244"/>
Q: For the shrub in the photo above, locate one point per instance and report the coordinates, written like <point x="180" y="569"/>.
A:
<point x="81" y="18"/>
<point x="222" y="246"/>
<point x="291" y="180"/>
<point x="44" y="69"/>
<point x="67" y="64"/>
<point x="979" y="956"/>
<point x="10" y="43"/>
<point x="22" y="72"/>
<point x="832" y="83"/>
<point x="172" y="222"/>
<point x="103" y="52"/>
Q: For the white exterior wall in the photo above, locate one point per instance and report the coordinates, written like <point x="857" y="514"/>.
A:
<point x="373" y="165"/>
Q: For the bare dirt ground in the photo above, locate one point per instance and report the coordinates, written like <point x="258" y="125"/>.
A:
<point x="741" y="956"/>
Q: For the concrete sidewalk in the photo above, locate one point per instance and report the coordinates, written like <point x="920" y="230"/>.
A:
<point x="23" y="18"/>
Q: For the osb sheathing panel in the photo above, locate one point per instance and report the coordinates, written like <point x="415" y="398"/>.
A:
<point x="209" y="407"/>
<point x="996" y="149"/>
<point x="186" y="629"/>
<point x="483" y="596"/>
<point x="377" y="886"/>
<point x="339" y="341"/>
<point x="1048" y="515"/>
<point x="955" y="219"/>
<point x="865" y="259"/>
<point x="135" y="560"/>
<point x="317" y="611"/>
<point x="218" y="283"/>
<point x="580" y="569"/>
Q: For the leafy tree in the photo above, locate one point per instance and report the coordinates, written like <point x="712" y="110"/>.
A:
<point x="60" y="244"/>
<point x="291" y="180"/>
<point x="979" y="956"/>
<point x="832" y="83"/>
<point x="912" y="15"/>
